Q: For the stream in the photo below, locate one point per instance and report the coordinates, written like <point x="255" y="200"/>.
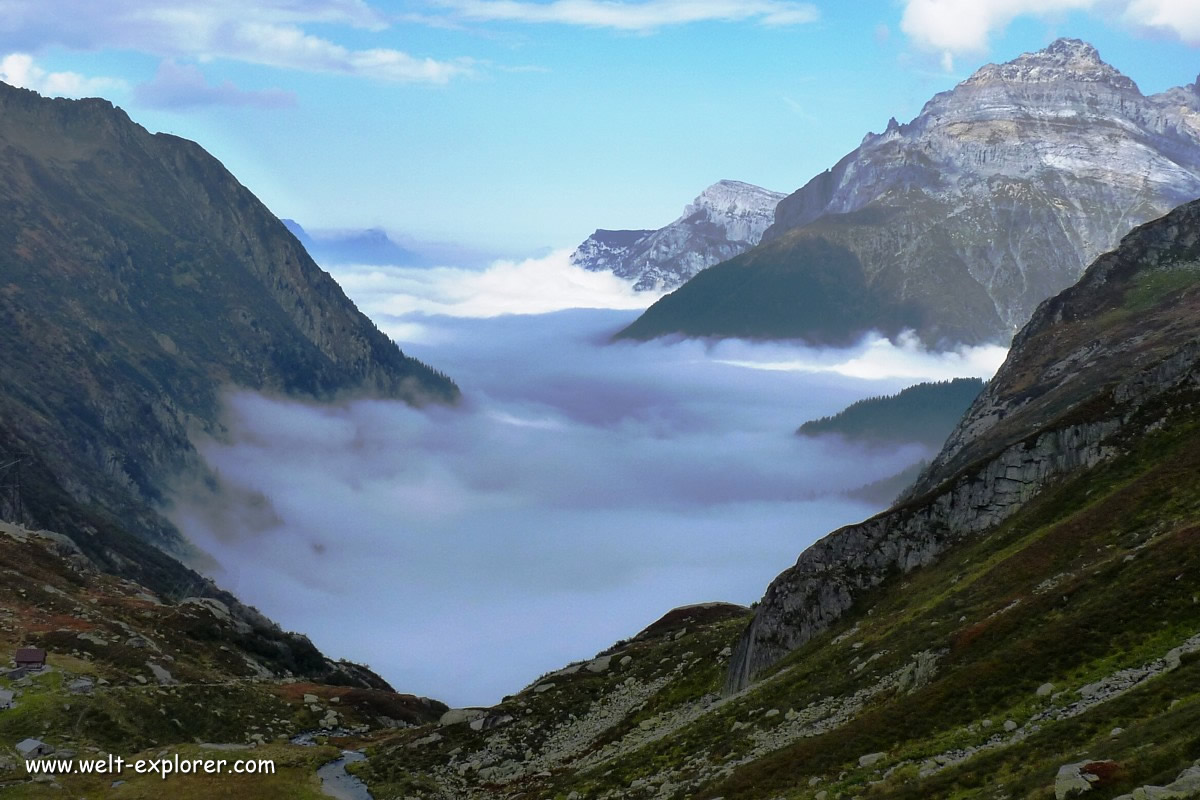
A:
<point x="336" y="782"/>
<point x="340" y="784"/>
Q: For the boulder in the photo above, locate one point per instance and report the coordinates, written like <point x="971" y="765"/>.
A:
<point x="457" y="716"/>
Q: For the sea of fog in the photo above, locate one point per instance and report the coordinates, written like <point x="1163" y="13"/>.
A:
<point x="582" y="489"/>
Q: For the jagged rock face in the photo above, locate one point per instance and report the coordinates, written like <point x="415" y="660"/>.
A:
<point x="139" y="280"/>
<point x="1133" y="308"/>
<point x="727" y="219"/>
<point x="1094" y="364"/>
<point x="994" y="198"/>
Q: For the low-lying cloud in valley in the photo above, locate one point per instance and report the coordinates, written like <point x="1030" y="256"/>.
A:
<point x="583" y="488"/>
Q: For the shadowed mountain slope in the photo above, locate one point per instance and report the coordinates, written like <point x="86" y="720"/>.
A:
<point x="138" y="279"/>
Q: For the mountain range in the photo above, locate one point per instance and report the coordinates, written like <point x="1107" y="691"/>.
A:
<point x="727" y="219"/>
<point x="958" y="223"/>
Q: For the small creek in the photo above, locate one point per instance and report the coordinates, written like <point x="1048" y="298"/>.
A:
<point x="336" y="782"/>
<point x="340" y="784"/>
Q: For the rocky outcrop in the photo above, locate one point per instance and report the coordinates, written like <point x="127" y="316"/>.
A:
<point x="727" y="218"/>
<point x="1049" y="412"/>
<point x="995" y="197"/>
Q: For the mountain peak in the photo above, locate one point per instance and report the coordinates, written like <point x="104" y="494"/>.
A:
<point x="1062" y="59"/>
<point x="735" y="197"/>
<point x="1073" y="50"/>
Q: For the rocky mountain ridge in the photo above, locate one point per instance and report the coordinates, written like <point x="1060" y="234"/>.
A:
<point x="1093" y="362"/>
<point x="958" y="223"/>
<point x="726" y="219"/>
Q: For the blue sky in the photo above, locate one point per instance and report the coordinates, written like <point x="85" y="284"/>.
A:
<point x="514" y="125"/>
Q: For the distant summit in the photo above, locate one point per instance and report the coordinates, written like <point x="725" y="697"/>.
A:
<point x="371" y="246"/>
<point x="960" y="222"/>
<point x="727" y="219"/>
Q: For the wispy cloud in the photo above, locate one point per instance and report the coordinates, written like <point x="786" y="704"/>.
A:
<point x="266" y="32"/>
<point x="634" y="16"/>
<point x="532" y="286"/>
<point x="20" y="69"/>
<point x="183" y="86"/>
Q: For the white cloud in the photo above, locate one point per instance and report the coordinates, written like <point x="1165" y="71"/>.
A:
<point x="20" y="69"/>
<point x="964" y="26"/>
<point x="1178" y="17"/>
<point x="533" y="286"/>
<point x="631" y="16"/>
<point x="876" y="358"/>
<point x="183" y="86"/>
<point x="267" y="32"/>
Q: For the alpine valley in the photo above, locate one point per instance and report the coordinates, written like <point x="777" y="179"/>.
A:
<point x="1023" y="622"/>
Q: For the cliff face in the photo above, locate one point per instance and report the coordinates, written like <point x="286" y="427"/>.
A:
<point x="960" y="222"/>
<point x="138" y="279"/>
<point x="1098" y="364"/>
<point x="727" y="219"/>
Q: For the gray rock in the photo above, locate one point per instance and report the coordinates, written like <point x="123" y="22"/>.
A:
<point x="457" y="716"/>
<point x="1070" y="782"/>
<point x="871" y="759"/>
<point x="599" y="664"/>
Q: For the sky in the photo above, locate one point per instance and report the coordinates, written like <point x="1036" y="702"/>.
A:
<point x="519" y="126"/>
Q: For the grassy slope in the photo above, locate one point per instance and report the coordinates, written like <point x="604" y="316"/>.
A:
<point x="229" y="684"/>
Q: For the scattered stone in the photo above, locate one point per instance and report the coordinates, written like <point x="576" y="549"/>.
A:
<point x="310" y="699"/>
<point x="626" y="661"/>
<point x="1045" y="690"/>
<point x="543" y="687"/>
<point x="1117" y="732"/>
<point x="774" y="712"/>
<point x="1010" y="726"/>
<point x="871" y="759"/>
